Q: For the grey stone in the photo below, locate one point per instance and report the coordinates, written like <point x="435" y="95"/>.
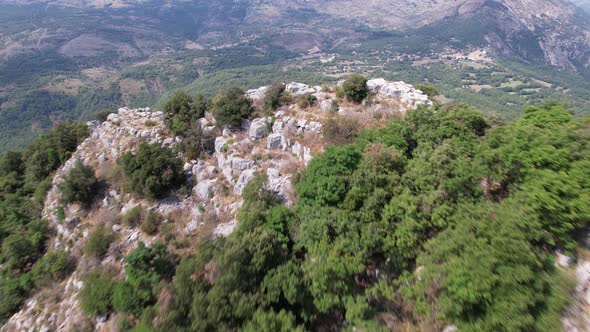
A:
<point x="168" y="141"/>
<point x="243" y="181"/>
<point x="257" y="128"/>
<point x="326" y="105"/>
<point x="240" y="164"/>
<point x="219" y="144"/>
<point x="276" y="141"/>
<point x="192" y="226"/>
<point x="204" y="188"/>
<point x="562" y="260"/>
<point x="278" y="127"/>
<point x="296" y="149"/>
<point x="225" y="230"/>
<point x="245" y="124"/>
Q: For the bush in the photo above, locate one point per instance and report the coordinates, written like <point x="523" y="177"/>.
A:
<point x="151" y="222"/>
<point x="53" y="266"/>
<point x="153" y="171"/>
<point x="428" y="89"/>
<point x="96" y="296"/>
<point x="306" y="101"/>
<point x="61" y="215"/>
<point x="132" y="296"/>
<point x="12" y="295"/>
<point x="182" y="110"/>
<point x="195" y="142"/>
<point x="231" y="107"/>
<point x="79" y="186"/>
<point x="98" y="242"/>
<point x="273" y="96"/>
<point x="102" y="115"/>
<point x="341" y="130"/>
<point x="145" y="267"/>
<point x="133" y="217"/>
<point x="17" y="251"/>
<point x="355" y="88"/>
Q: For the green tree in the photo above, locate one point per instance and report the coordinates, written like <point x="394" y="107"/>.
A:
<point x="96" y="296"/>
<point x="98" y="242"/>
<point x="272" y="321"/>
<point x="80" y="185"/>
<point x="182" y="111"/>
<point x="488" y="276"/>
<point x="231" y="106"/>
<point x="153" y="171"/>
<point x="53" y="266"/>
<point x="355" y="88"/>
<point x="428" y="89"/>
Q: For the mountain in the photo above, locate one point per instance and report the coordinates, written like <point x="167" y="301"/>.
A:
<point x="549" y="30"/>
<point x="66" y="59"/>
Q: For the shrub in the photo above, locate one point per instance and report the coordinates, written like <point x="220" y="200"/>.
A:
<point x="151" y="222"/>
<point x="98" y="242"/>
<point x="231" y="106"/>
<point x="182" y="110"/>
<point x="133" y="217"/>
<point x="335" y="106"/>
<point x="132" y="296"/>
<point x="272" y="97"/>
<point x="102" y="115"/>
<point x="17" y="251"/>
<point x="96" y="296"/>
<point x="340" y="130"/>
<point x="153" y="171"/>
<point x="79" y="186"/>
<point x="124" y="324"/>
<point x="428" y="89"/>
<point x="61" y="215"/>
<point x="154" y="262"/>
<point x="355" y="88"/>
<point x="53" y="266"/>
<point x="145" y="267"/>
<point x="307" y="100"/>
<point x="12" y="295"/>
<point x="195" y="142"/>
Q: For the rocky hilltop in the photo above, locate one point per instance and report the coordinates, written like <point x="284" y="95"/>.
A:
<point x="279" y="146"/>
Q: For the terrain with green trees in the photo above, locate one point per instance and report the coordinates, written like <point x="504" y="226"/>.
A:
<point x="440" y="217"/>
<point x="24" y="179"/>
<point x="443" y="216"/>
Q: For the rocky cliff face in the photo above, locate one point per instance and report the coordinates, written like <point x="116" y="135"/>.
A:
<point x="553" y="29"/>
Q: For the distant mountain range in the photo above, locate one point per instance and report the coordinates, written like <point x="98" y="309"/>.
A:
<point x="62" y="59"/>
<point x="551" y="30"/>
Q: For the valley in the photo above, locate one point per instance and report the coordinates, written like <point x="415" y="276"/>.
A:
<point x="67" y="60"/>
